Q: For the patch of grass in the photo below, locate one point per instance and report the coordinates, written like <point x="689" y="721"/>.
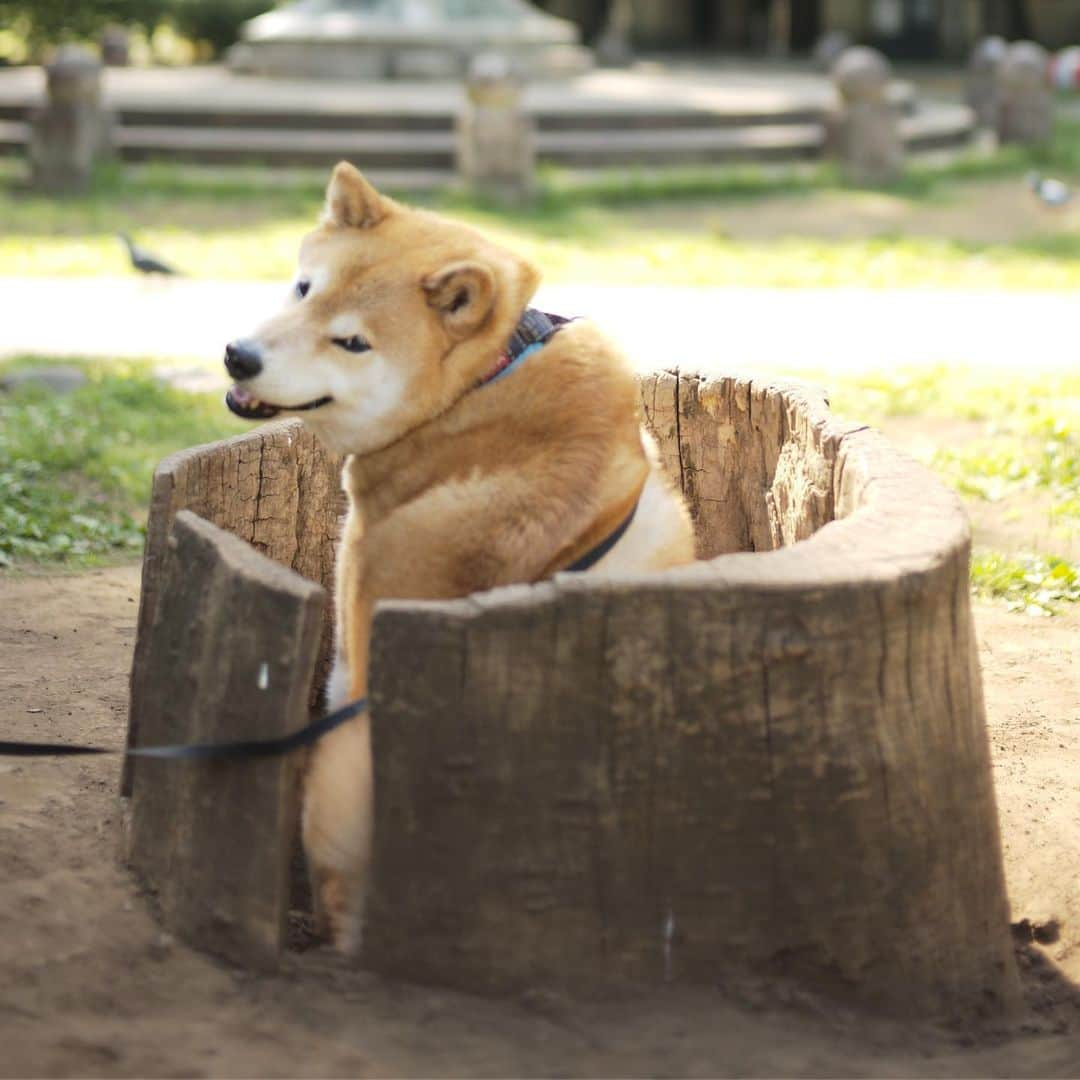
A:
<point x="1022" y="455"/>
<point x="1033" y="584"/>
<point x="75" y="470"/>
<point x="1029" y="437"/>
<point x="622" y="227"/>
<point x="1018" y="435"/>
<point x="961" y="393"/>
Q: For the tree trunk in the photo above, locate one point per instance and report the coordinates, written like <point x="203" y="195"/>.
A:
<point x="772" y="761"/>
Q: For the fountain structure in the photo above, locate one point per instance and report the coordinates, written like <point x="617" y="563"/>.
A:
<point x="405" y="39"/>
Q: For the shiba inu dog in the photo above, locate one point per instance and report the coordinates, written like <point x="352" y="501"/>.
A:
<point x="488" y="444"/>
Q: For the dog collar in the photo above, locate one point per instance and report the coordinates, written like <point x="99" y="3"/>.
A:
<point x="534" y="330"/>
<point x="591" y="558"/>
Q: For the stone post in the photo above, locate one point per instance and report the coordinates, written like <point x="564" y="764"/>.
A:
<point x="983" y="80"/>
<point x="115" y="46"/>
<point x="614" y="46"/>
<point x="865" y="131"/>
<point x="496" y="149"/>
<point x="779" y="40"/>
<point x="71" y="132"/>
<point x="1026" y="101"/>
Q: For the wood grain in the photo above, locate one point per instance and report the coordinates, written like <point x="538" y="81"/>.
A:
<point x="230" y="656"/>
<point x="773" y="760"/>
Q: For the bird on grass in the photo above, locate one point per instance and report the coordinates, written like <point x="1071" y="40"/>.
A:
<point x="143" y="261"/>
<point x="1053" y="194"/>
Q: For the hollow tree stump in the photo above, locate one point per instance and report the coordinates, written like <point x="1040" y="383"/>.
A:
<point x="774" y="759"/>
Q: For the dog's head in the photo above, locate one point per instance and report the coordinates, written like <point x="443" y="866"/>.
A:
<point x="394" y="315"/>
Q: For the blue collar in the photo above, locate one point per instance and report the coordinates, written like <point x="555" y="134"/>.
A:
<point x="533" y="331"/>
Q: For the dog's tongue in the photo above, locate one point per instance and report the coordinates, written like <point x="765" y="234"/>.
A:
<point x="243" y="398"/>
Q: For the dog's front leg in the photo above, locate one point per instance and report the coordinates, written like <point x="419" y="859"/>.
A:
<point x="338" y="803"/>
<point x="337" y="829"/>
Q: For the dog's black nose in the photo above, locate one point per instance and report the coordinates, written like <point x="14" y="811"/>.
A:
<point x="242" y="360"/>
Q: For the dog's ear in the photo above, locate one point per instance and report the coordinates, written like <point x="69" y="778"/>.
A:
<point x="463" y="294"/>
<point x="351" y="201"/>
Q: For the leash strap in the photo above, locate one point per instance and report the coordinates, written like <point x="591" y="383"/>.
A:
<point x="250" y="748"/>
<point x="591" y="558"/>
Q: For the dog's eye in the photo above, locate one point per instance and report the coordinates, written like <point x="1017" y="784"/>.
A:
<point x="302" y="288"/>
<point x="352" y="344"/>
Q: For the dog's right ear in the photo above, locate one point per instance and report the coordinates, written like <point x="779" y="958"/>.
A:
<point x="462" y="294"/>
<point x="351" y="202"/>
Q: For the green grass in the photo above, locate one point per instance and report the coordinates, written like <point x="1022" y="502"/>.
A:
<point x="1019" y="457"/>
<point x="1022" y="439"/>
<point x="959" y="393"/>
<point x="75" y="470"/>
<point x="207" y="237"/>
<point x="624" y="227"/>
<point x="1028" y="436"/>
<point x="1033" y="584"/>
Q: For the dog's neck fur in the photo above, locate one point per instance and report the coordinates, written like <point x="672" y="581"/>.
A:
<point x="453" y="444"/>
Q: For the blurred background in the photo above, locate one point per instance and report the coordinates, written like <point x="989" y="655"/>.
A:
<point x="873" y="194"/>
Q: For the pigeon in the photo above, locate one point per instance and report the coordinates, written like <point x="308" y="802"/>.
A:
<point x="1053" y="194"/>
<point x="143" y="261"/>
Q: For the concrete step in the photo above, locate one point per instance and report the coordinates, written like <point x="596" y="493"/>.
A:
<point x="14" y="135"/>
<point x="421" y="151"/>
<point x="377" y="149"/>
<point x="701" y="146"/>
<point x="938" y="127"/>
<point x="604" y="100"/>
<point x="546" y="120"/>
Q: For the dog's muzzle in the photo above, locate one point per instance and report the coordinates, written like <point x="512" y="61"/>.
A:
<point x="246" y="405"/>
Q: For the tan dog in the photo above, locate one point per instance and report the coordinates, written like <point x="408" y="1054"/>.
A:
<point x="457" y="481"/>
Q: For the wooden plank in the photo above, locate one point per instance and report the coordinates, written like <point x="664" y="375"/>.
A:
<point x="275" y="487"/>
<point x="230" y="655"/>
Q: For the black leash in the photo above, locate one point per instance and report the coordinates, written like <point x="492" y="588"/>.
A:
<point x="249" y="748"/>
<point x="260" y="748"/>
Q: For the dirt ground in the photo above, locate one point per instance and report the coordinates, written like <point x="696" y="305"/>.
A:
<point x="92" y="986"/>
<point x="986" y="212"/>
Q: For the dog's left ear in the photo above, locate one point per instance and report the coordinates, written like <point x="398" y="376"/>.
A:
<point x="463" y="294"/>
<point x="351" y="201"/>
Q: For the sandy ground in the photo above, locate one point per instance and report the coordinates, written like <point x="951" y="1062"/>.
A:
<point x="92" y="986"/>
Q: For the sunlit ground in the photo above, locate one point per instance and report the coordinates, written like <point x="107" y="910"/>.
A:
<point x="973" y="225"/>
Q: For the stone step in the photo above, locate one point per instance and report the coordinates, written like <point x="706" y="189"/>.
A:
<point x="546" y="120"/>
<point x="421" y="151"/>
<point x="941" y="126"/>
<point x="378" y="149"/>
<point x="704" y="145"/>
<point x="13" y="136"/>
<point x="206" y="97"/>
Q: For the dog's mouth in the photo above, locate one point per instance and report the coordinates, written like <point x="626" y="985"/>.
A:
<point x="245" y="404"/>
